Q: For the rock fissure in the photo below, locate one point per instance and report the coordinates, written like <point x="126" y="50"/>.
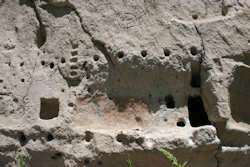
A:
<point x="97" y="43"/>
<point x="41" y="32"/>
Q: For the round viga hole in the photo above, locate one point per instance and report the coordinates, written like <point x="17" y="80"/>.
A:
<point x="50" y="137"/>
<point x="21" y="64"/>
<point x="195" y="16"/>
<point x="96" y="57"/>
<point x="42" y="63"/>
<point x="22" y="80"/>
<point x="120" y="54"/>
<point x="166" y="52"/>
<point x="193" y="50"/>
<point x="181" y="123"/>
<point x="51" y="65"/>
<point x="144" y="53"/>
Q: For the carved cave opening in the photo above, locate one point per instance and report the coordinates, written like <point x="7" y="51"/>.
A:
<point x="196" y="112"/>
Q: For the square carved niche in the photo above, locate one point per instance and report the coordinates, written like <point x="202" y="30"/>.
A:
<point x="49" y="108"/>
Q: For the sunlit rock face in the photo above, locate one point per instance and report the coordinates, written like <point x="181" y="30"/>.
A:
<point x="85" y="83"/>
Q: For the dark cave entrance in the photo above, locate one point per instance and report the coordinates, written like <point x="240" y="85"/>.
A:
<point x="196" y="112"/>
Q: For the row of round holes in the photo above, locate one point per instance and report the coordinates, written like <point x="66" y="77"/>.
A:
<point x="167" y="52"/>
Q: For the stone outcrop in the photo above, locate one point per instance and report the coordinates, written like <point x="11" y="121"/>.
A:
<point x="85" y="83"/>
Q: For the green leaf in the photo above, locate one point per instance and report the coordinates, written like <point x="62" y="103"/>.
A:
<point x="184" y="164"/>
<point x="172" y="158"/>
<point x="129" y="161"/>
<point x="21" y="161"/>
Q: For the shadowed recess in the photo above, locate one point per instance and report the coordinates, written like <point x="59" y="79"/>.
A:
<point x="49" y="108"/>
<point x="196" y="112"/>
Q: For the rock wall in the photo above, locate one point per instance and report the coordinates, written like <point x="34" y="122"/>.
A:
<point x="85" y="83"/>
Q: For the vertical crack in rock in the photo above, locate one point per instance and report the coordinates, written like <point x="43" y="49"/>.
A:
<point x="100" y="45"/>
<point x="41" y="34"/>
<point x="202" y="43"/>
<point x="202" y="60"/>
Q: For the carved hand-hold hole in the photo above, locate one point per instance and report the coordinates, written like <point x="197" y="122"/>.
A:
<point x="196" y="112"/>
<point x="42" y="63"/>
<point x="73" y="67"/>
<point x="1" y="80"/>
<point x="73" y="60"/>
<point x="62" y="90"/>
<point x="51" y="65"/>
<point x="71" y="104"/>
<point x="73" y="73"/>
<point x="74" y="52"/>
<point x="49" y="108"/>
<point x="63" y="60"/>
<point x="120" y="54"/>
<point x="165" y="120"/>
<point x="193" y="50"/>
<point x="50" y="137"/>
<point x="144" y="53"/>
<point x="22" y="80"/>
<point x="170" y="103"/>
<point x="96" y="57"/>
<point x="15" y="100"/>
<point x="21" y="64"/>
<point x="181" y="123"/>
<point x="74" y="45"/>
<point x="166" y="52"/>
<point x="195" y="16"/>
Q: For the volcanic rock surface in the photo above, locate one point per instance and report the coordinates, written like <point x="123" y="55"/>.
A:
<point x="84" y="83"/>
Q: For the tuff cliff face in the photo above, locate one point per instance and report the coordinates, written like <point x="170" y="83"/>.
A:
<point x="85" y="83"/>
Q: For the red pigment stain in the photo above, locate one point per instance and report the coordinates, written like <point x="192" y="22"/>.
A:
<point x="119" y="110"/>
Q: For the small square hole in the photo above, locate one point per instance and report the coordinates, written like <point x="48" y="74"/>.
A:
<point x="49" y="108"/>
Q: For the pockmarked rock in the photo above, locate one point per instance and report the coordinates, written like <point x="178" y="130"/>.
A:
<point x="85" y="83"/>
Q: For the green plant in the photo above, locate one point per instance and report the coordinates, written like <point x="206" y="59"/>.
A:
<point x="129" y="161"/>
<point x="172" y="158"/>
<point x="21" y="161"/>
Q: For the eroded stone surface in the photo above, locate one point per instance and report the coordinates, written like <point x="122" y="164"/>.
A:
<point x="84" y="83"/>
